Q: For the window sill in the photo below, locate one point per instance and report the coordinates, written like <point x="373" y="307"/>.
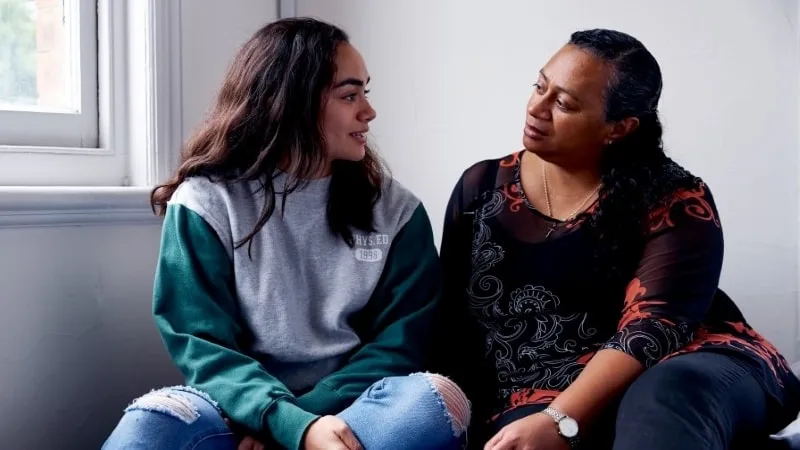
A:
<point x="74" y="206"/>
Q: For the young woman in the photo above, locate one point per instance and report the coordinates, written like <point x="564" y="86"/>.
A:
<point x="294" y="276"/>
<point x="581" y="279"/>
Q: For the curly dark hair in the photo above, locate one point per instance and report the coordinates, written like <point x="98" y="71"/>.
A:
<point x="637" y="175"/>
<point x="267" y="116"/>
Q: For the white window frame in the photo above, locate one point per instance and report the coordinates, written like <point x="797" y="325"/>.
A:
<point x="156" y="119"/>
<point x="138" y="115"/>
<point x="139" y="134"/>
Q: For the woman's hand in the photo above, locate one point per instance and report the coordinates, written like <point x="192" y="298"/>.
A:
<point x="330" y="433"/>
<point x="250" y="443"/>
<point x="535" y="432"/>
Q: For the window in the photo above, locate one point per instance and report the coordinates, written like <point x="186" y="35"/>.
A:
<point x="89" y="91"/>
<point x="48" y="73"/>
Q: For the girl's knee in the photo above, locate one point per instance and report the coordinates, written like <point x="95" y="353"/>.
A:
<point x="179" y="402"/>
<point x="170" y="417"/>
<point x="429" y="411"/>
<point x="183" y="404"/>
<point x="453" y="400"/>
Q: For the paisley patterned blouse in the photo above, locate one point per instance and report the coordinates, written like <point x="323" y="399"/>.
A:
<point x="527" y="312"/>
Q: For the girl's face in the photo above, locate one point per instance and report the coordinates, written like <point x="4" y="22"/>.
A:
<point x="347" y="113"/>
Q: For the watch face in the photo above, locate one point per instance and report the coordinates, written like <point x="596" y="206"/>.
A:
<point x="568" y="427"/>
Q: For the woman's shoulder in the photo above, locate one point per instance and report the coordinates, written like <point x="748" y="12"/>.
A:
<point x="681" y="185"/>
<point x="489" y="169"/>
<point x="687" y="197"/>
<point x="486" y="175"/>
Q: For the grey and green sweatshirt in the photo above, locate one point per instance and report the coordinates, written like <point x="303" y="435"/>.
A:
<point x="302" y="325"/>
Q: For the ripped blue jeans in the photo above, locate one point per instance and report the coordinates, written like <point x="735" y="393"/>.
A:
<point x="396" y="413"/>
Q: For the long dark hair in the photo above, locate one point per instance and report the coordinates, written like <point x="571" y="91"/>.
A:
<point x="637" y="175"/>
<point x="267" y="116"/>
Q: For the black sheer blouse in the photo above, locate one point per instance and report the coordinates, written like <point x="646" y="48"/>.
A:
<point x="530" y="311"/>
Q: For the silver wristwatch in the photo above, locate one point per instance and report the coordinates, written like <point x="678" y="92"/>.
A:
<point x="567" y="426"/>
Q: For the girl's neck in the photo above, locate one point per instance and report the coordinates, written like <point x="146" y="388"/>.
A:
<point x="324" y="172"/>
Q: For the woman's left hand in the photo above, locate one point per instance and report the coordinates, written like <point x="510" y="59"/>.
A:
<point x="250" y="443"/>
<point x="535" y="432"/>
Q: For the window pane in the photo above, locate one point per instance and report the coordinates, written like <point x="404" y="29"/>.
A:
<point x="37" y="60"/>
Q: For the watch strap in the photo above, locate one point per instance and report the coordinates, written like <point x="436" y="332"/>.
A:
<point x="557" y="417"/>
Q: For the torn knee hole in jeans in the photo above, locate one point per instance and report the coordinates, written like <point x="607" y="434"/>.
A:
<point x="172" y="404"/>
<point x="453" y="401"/>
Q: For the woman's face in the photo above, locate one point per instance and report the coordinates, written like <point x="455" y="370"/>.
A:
<point x="347" y="112"/>
<point x="565" y="118"/>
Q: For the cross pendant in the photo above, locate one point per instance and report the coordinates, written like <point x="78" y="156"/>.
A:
<point x="550" y="229"/>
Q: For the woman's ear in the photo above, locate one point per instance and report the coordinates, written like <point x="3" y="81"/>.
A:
<point x="622" y="128"/>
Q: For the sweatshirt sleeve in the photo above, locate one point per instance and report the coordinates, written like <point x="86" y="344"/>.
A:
<point x="676" y="280"/>
<point x="197" y="315"/>
<point x="395" y="324"/>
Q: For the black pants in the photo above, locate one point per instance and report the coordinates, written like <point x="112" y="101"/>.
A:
<point x="703" y="401"/>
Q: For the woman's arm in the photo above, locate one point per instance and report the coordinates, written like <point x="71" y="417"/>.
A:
<point x="196" y="313"/>
<point x="670" y="295"/>
<point x="605" y="377"/>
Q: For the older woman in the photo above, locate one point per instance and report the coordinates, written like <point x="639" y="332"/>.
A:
<point x="582" y="274"/>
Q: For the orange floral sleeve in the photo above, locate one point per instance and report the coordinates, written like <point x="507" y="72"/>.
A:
<point x="676" y="280"/>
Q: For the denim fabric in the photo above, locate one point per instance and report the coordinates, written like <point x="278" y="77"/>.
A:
<point x="185" y="420"/>
<point x="397" y="413"/>
<point x="699" y="400"/>
<point x="403" y="413"/>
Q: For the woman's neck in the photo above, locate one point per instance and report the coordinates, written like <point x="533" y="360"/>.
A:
<point x="564" y="182"/>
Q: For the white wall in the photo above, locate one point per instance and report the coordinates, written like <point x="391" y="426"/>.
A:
<point x="76" y="338"/>
<point x="213" y="30"/>
<point x="451" y="79"/>
<point x="77" y="341"/>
